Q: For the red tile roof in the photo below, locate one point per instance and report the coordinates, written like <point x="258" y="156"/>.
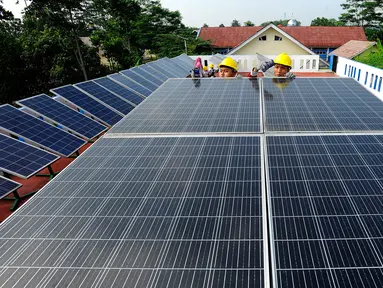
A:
<point x="352" y="48"/>
<point x="310" y="36"/>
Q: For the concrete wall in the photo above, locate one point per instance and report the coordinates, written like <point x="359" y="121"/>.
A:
<point x="270" y="46"/>
<point x="370" y="77"/>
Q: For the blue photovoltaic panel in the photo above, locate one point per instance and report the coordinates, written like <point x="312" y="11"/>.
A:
<point x="320" y="104"/>
<point x="147" y="75"/>
<point x="140" y="80"/>
<point x="144" y="212"/>
<point x="7" y="186"/>
<point x="189" y="61"/>
<point x="63" y="115"/>
<point x="21" y="159"/>
<point x="155" y="72"/>
<point x="182" y="64"/>
<point x="105" y="96"/>
<point x="172" y="63"/>
<point x="124" y="92"/>
<point x="166" y="71"/>
<point x="130" y="84"/>
<point x="177" y="71"/>
<point x="48" y="136"/>
<point x="190" y="106"/>
<point x="88" y="104"/>
<point x="327" y="210"/>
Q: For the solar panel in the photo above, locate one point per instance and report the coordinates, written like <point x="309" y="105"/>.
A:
<point x="327" y="210"/>
<point x="130" y="84"/>
<point x="144" y="73"/>
<point x="21" y="159"/>
<point x="124" y="92"/>
<point x="177" y="71"/>
<point x="321" y="104"/>
<point x="164" y="70"/>
<point x="199" y="105"/>
<point x="88" y="104"/>
<point x="63" y="115"/>
<point x="144" y="212"/>
<point x="155" y="72"/>
<point x="189" y="61"/>
<point x="39" y="132"/>
<point x="7" y="186"/>
<point x="181" y="63"/>
<point x="106" y="97"/>
<point x="175" y="64"/>
<point x="141" y="80"/>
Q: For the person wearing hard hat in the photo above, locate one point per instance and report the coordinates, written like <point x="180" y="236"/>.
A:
<point x="282" y="66"/>
<point x="211" y="72"/>
<point x="228" y="68"/>
<point x="205" y="72"/>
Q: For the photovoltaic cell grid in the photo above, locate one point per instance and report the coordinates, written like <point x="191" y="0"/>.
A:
<point x="184" y="64"/>
<point x="201" y="105"/>
<point x="176" y="68"/>
<point x="130" y="84"/>
<point x="327" y="209"/>
<point x="41" y="133"/>
<point x="106" y="97"/>
<point x="155" y="72"/>
<point x="63" y="115"/>
<point x="322" y="104"/>
<point x="162" y="69"/>
<point x="149" y="212"/>
<point x="88" y="104"/>
<point x="7" y="186"/>
<point x="120" y="90"/>
<point x="189" y="61"/>
<point x="140" y="79"/>
<point x="23" y="160"/>
<point x="145" y="73"/>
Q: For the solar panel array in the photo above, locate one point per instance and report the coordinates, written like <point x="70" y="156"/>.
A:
<point x="130" y="84"/>
<point x="140" y="79"/>
<point x="194" y="106"/>
<point x="197" y="187"/>
<point x="88" y="104"/>
<point x="309" y="104"/>
<point x="125" y="93"/>
<point x="63" y="115"/>
<point x="106" y="97"/>
<point x="39" y="132"/>
<point x="21" y="159"/>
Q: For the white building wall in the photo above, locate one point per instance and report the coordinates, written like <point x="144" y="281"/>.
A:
<point x="370" y="77"/>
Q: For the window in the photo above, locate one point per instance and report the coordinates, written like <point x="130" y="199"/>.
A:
<point x="263" y="38"/>
<point x="277" y="38"/>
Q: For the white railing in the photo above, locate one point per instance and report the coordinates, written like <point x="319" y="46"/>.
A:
<point x="301" y="63"/>
<point x="368" y="76"/>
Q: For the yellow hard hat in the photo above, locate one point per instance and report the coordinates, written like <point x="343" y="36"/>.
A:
<point x="229" y="62"/>
<point x="211" y="65"/>
<point x="205" y="68"/>
<point x="283" y="59"/>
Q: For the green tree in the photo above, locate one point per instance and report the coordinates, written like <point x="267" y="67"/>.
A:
<point x="248" y="23"/>
<point x="221" y="25"/>
<point x="277" y="22"/>
<point x="235" y="23"/>
<point x="362" y="13"/>
<point x="322" y="21"/>
<point x="205" y="25"/>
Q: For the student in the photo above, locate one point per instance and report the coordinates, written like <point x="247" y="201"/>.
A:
<point x="212" y="71"/>
<point x="282" y="66"/>
<point x="197" y="70"/>
<point x="205" y="72"/>
<point x="228" y="68"/>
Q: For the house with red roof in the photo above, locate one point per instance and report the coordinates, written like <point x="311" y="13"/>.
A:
<point x="272" y="40"/>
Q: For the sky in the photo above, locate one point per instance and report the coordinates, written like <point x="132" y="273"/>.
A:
<point x="212" y="12"/>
